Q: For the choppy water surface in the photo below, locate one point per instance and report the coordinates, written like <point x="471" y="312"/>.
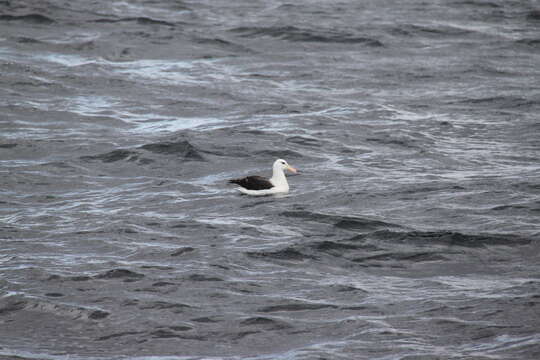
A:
<point x="411" y="233"/>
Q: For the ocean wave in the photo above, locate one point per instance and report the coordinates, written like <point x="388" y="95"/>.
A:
<point x="29" y="18"/>
<point x="182" y="149"/>
<point x="19" y="303"/>
<point x="295" y="34"/>
<point x="451" y="238"/>
<point x="340" y="221"/>
<point x="141" y="20"/>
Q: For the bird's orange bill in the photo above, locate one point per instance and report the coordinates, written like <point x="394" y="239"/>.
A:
<point x="291" y="169"/>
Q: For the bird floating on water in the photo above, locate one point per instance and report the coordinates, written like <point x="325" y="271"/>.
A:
<point x="259" y="186"/>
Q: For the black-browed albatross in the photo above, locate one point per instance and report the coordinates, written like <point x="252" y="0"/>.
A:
<point x="258" y="185"/>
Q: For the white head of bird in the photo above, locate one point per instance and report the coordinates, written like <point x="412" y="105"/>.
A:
<point x="282" y="165"/>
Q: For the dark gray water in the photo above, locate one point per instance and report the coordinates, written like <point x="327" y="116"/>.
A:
<point x="411" y="233"/>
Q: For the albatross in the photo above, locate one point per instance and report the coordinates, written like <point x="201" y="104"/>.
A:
<point x="258" y="185"/>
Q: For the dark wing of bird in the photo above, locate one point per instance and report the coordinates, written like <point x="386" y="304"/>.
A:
<point x="253" y="183"/>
